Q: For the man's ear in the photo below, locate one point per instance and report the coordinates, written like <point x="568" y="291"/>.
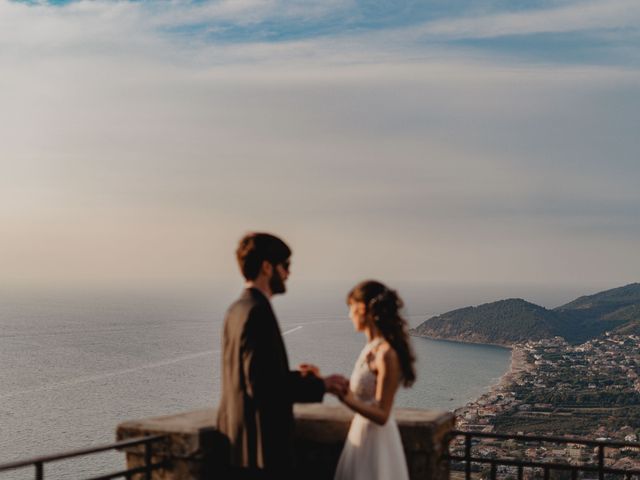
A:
<point x="266" y="268"/>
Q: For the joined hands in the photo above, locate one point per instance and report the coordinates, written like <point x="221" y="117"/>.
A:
<point x="335" y="384"/>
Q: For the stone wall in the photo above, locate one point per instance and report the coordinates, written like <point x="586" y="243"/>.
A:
<point x="196" y="451"/>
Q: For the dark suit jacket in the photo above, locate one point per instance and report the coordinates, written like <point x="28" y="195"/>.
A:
<point x="258" y="389"/>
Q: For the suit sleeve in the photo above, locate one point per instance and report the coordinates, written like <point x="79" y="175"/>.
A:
<point x="268" y="379"/>
<point x="305" y="389"/>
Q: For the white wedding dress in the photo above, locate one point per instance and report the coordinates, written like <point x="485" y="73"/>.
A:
<point x="372" y="451"/>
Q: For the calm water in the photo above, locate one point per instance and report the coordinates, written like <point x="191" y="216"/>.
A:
<point x="73" y="368"/>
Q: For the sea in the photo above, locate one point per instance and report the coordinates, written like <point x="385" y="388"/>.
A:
<point x="73" y="365"/>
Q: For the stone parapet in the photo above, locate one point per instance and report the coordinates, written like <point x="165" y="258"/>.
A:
<point x="196" y="451"/>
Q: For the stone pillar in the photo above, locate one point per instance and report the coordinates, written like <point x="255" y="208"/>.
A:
<point x="196" y="451"/>
<point x="193" y="447"/>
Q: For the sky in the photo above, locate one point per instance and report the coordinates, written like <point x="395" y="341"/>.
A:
<point x="435" y="141"/>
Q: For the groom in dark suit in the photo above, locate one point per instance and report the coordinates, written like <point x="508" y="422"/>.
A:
<point x="258" y="388"/>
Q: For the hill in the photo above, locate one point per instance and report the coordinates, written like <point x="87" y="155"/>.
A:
<point x="506" y="322"/>
<point x="612" y="310"/>
<point x="609" y="299"/>
<point x="629" y="319"/>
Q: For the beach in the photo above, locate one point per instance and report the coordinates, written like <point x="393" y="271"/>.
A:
<point x="489" y="402"/>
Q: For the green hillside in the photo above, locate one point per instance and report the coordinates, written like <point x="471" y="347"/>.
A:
<point x="592" y="315"/>
<point x="629" y="319"/>
<point x="609" y="299"/>
<point x="514" y="320"/>
<point x="503" y="322"/>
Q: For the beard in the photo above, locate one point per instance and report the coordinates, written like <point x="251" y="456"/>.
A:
<point x="276" y="283"/>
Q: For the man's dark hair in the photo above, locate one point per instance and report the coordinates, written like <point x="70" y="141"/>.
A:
<point x="255" y="248"/>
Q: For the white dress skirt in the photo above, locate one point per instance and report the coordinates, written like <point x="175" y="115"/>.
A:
<point x="372" y="451"/>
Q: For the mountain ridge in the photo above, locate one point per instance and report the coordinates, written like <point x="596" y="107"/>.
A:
<point x="515" y="320"/>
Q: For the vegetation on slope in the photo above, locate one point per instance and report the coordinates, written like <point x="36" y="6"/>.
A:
<point x="515" y="320"/>
<point x="502" y="322"/>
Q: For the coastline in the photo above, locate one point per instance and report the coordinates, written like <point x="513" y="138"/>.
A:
<point x="517" y="365"/>
<point x="452" y="340"/>
<point x="525" y="399"/>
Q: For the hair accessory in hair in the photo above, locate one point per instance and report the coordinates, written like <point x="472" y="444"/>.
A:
<point x="379" y="297"/>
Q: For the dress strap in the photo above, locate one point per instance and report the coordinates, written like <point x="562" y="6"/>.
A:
<point x="373" y="344"/>
<point x="367" y="351"/>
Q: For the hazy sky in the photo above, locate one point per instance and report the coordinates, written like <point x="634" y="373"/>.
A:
<point x="430" y="140"/>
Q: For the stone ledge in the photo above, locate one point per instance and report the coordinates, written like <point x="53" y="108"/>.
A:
<point x="319" y="436"/>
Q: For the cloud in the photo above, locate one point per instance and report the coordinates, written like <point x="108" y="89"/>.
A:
<point x="579" y="16"/>
<point x="243" y="12"/>
<point x="259" y="31"/>
<point x="125" y="22"/>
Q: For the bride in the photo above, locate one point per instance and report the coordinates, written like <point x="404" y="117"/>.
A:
<point x="373" y="449"/>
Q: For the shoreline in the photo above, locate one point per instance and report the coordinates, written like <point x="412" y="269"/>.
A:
<point x="517" y="365"/>
<point x="468" y="342"/>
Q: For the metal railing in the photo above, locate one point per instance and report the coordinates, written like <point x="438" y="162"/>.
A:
<point x="38" y="463"/>
<point x="538" y="466"/>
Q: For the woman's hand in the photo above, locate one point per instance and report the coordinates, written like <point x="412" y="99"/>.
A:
<point x="336" y="384"/>
<point x="347" y="398"/>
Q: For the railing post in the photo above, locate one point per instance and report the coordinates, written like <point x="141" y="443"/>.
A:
<point x="147" y="460"/>
<point x="39" y="471"/>
<point x="467" y="456"/>
<point x="601" y="462"/>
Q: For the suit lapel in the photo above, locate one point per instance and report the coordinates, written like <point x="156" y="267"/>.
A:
<point x="278" y="342"/>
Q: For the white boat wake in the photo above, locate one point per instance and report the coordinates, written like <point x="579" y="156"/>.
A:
<point x="102" y="376"/>
<point x="292" y="330"/>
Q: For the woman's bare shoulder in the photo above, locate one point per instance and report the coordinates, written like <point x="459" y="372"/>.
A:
<point x="387" y="354"/>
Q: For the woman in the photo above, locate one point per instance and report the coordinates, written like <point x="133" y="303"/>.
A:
<point x="373" y="449"/>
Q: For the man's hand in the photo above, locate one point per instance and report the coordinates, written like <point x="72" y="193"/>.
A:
<point x="337" y="385"/>
<point x="308" y="369"/>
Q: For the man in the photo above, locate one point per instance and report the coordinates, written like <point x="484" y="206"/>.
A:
<point x="258" y="389"/>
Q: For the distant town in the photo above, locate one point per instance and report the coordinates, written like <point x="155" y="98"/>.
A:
<point x="557" y="389"/>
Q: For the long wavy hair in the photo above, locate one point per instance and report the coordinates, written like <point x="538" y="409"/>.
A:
<point x="382" y="307"/>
